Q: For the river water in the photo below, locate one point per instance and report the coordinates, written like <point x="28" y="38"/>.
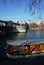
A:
<point x="35" y="34"/>
<point x="38" y="34"/>
<point x="29" y="35"/>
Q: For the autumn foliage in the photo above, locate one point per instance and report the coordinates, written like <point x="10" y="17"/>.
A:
<point x="33" y="25"/>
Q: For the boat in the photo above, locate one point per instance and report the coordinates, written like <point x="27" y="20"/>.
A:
<point x="19" y="28"/>
<point x="35" y="28"/>
<point x="23" y="49"/>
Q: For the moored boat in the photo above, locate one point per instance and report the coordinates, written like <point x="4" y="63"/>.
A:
<point x="23" y="49"/>
<point x="19" y="28"/>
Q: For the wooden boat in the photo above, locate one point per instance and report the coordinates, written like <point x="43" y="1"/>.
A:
<point x="23" y="49"/>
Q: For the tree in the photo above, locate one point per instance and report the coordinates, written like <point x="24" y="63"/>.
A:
<point x="41" y="24"/>
<point x="33" y="25"/>
<point x="36" y="4"/>
<point x="31" y="3"/>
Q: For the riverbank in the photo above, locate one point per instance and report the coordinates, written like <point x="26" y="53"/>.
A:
<point x="36" y="28"/>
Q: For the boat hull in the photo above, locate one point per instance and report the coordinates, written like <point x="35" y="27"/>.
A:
<point x="24" y="56"/>
<point x="19" y="28"/>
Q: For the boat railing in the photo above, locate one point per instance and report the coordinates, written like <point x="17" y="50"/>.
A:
<point x="29" y="42"/>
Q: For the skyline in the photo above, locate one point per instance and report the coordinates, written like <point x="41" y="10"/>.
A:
<point x="15" y="11"/>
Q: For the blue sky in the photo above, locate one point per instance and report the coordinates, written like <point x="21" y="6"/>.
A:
<point x="15" y="11"/>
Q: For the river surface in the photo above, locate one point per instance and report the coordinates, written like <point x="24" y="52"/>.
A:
<point x="37" y="34"/>
<point x="29" y="35"/>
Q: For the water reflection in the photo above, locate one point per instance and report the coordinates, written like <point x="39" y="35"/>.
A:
<point x="38" y="34"/>
<point x="16" y="36"/>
